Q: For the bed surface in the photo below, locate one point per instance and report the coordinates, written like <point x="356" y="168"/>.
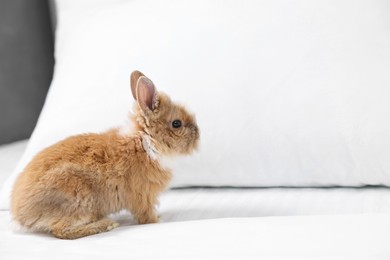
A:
<point x="225" y="223"/>
<point x="304" y="237"/>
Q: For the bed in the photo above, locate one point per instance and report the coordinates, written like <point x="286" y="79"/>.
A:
<point x="226" y="223"/>
<point x="309" y="179"/>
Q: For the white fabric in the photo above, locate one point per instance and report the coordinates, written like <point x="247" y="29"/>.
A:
<point x="286" y="93"/>
<point x="226" y="224"/>
<point x="232" y="224"/>
<point x="10" y="155"/>
<point x="195" y="204"/>
<point x="311" y="237"/>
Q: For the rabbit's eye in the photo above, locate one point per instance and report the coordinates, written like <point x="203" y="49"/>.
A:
<point x="176" y="123"/>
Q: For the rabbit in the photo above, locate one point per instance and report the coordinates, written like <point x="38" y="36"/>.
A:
<point x="69" y="188"/>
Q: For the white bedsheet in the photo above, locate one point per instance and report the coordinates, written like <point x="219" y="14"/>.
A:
<point x="226" y="224"/>
<point x="305" y="237"/>
<point x="231" y="224"/>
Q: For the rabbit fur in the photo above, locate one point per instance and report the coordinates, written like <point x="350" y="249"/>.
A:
<point x="69" y="188"/>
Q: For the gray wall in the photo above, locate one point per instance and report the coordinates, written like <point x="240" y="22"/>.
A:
<point x="26" y="65"/>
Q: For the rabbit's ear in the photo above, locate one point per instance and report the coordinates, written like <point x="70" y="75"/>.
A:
<point x="146" y="93"/>
<point x="135" y="75"/>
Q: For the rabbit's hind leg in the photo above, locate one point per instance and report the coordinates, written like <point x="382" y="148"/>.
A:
<point x="65" y="229"/>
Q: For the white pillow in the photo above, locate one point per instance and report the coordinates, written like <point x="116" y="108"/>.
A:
<point x="286" y="93"/>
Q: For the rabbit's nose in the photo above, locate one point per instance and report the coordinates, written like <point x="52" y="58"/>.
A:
<point x="195" y="129"/>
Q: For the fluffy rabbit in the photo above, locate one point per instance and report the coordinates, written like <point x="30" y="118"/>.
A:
<point x="69" y="188"/>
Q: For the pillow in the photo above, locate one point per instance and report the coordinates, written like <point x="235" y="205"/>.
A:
<point x="286" y="93"/>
